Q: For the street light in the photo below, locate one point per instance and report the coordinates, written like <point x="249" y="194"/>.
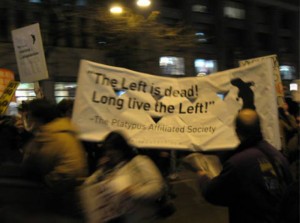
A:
<point x="143" y="3"/>
<point x="116" y="9"/>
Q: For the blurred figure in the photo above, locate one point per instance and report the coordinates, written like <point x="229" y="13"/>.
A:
<point x="54" y="156"/>
<point x="288" y="126"/>
<point x="9" y="151"/>
<point x="93" y="152"/>
<point x="23" y="112"/>
<point x="65" y="106"/>
<point x="293" y="106"/>
<point x="144" y="183"/>
<point x="290" y="204"/>
<point x="161" y="158"/>
<point x="24" y="131"/>
<point x="253" y="180"/>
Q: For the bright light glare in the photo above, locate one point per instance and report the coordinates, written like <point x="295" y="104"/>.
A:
<point x="164" y="61"/>
<point x="285" y="68"/>
<point x="143" y="3"/>
<point x="116" y="9"/>
<point x="293" y="87"/>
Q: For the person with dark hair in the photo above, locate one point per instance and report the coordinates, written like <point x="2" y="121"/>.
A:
<point x="144" y="183"/>
<point x="65" y="106"/>
<point x="55" y="156"/>
<point x="117" y="150"/>
<point x="253" y="179"/>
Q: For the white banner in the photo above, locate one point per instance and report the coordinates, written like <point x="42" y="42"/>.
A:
<point x="30" y="53"/>
<point x="276" y="73"/>
<point x="195" y="113"/>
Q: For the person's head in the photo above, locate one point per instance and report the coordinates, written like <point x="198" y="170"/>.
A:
<point x="41" y="111"/>
<point x="23" y="107"/>
<point x="117" y="149"/>
<point x="65" y="107"/>
<point x="247" y="125"/>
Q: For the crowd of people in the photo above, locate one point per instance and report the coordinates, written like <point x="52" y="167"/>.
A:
<point x="258" y="183"/>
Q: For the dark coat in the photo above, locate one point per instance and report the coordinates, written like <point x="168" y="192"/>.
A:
<point x="248" y="185"/>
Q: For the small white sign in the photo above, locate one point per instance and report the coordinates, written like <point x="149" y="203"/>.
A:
<point x="30" y="53"/>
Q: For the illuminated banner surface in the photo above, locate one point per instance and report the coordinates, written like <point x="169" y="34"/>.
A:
<point x="276" y="73"/>
<point x="194" y="113"/>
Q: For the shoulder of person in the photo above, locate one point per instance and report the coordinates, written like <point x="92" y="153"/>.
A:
<point x="142" y="159"/>
<point x="244" y="155"/>
<point x="142" y="162"/>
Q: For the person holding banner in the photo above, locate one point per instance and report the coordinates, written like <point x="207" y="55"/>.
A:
<point x="132" y="182"/>
<point x="253" y="180"/>
<point x="54" y="156"/>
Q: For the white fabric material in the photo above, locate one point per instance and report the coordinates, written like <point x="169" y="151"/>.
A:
<point x="276" y="73"/>
<point x="192" y="113"/>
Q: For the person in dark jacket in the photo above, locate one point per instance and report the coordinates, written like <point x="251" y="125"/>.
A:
<point x="253" y="179"/>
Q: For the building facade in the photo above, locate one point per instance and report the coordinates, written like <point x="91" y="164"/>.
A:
<point x="228" y="31"/>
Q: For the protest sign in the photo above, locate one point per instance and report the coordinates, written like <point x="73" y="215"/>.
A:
<point x="195" y="113"/>
<point x="7" y="95"/>
<point x="5" y="77"/>
<point x="276" y="73"/>
<point x="101" y="204"/>
<point x="30" y="53"/>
